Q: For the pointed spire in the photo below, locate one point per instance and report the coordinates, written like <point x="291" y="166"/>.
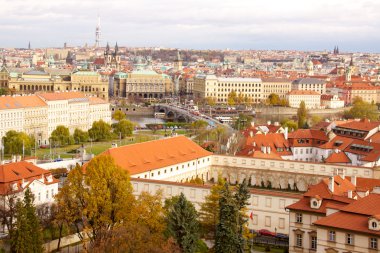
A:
<point x="107" y="48"/>
<point x="4" y="62"/>
<point x="29" y="46"/>
<point x="352" y="61"/>
<point x="116" y="48"/>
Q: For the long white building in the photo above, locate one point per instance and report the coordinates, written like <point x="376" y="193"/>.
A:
<point x="38" y="115"/>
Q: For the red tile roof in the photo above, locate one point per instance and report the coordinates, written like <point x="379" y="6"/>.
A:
<point x="363" y="125"/>
<point x="61" y="95"/>
<point x="146" y="156"/>
<point x="339" y="157"/>
<point x="14" y="173"/>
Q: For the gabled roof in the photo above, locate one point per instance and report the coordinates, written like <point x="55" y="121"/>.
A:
<point x="151" y="155"/>
<point x="363" y="125"/>
<point x="339" y="157"/>
<point x="61" y="95"/>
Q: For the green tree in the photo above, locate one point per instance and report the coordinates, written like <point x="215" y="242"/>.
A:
<point x="242" y="196"/>
<point x="302" y="115"/>
<point x="227" y="231"/>
<point x="362" y="110"/>
<point x="97" y="200"/>
<point x="17" y="142"/>
<point x="27" y="234"/>
<point x="199" y="125"/>
<point x="315" y="119"/>
<point x="124" y="128"/>
<point x="290" y="124"/>
<point x="182" y="223"/>
<point x="209" y="212"/>
<point x="100" y="131"/>
<point x="80" y="136"/>
<point x="118" y="115"/>
<point x="61" y="136"/>
<point x="4" y="91"/>
<point x="243" y="121"/>
<point x="210" y="101"/>
<point x="274" y="99"/>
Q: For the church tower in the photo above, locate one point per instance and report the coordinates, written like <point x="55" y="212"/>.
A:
<point x="178" y="62"/>
<point x="350" y="70"/>
<point x="309" y="68"/>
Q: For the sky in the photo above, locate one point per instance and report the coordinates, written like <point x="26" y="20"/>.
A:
<point x="353" y="25"/>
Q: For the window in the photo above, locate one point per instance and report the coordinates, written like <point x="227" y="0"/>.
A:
<point x="281" y="222"/>
<point x="47" y="194"/>
<point x="349" y="239"/>
<point x="374" y="224"/>
<point x="331" y="236"/>
<point x="267" y="221"/>
<point x="313" y="243"/>
<point x="299" y="217"/>
<point x="268" y="202"/>
<point x="298" y="240"/>
<point x="373" y="243"/>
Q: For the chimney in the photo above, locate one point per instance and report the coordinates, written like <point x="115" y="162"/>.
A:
<point x="331" y="184"/>
<point x="349" y="194"/>
<point x="13" y="159"/>
<point x="353" y="180"/>
<point x="269" y="122"/>
<point x="253" y="124"/>
<point x="276" y="123"/>
<point x="251" y="133"/>
<point x="268" y="148"/>
<point x="286" y="133"/>
<point x="254" y="144"/>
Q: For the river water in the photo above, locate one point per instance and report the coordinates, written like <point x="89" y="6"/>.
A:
<point x="142" y="120"/>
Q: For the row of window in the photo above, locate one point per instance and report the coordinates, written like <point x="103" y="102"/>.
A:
<point x="349" y="240"/>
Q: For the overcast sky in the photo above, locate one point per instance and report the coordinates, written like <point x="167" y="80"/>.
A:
<point x="354" y="25"/>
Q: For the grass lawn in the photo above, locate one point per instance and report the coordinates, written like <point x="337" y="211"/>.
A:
<point x="272" y="249"/>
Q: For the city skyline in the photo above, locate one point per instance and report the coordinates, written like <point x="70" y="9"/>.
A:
<point x="354" y="26"/>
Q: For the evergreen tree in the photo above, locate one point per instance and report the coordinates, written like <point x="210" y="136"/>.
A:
<point x="182" y="223"/>
<point x="242" y="196"/>
<point x="27" y="235"/>
<point x="227" y="239"/>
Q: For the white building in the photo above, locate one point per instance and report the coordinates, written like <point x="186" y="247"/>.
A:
<point x="312" y="99"/>
<point x="16" y="177"/>
<point x="331" y="101"/>
<point x="310" y="84"/>
<point x="39" y="115"/>
<point x="218" y="88"/>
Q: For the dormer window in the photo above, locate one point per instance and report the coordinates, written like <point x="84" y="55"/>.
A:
<point x="315" y="203"/>
<point x="373" y="223"/>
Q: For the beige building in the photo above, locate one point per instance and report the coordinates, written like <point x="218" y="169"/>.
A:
<point x="142" y="83"/>
<point x="39" y="115"/>
<point x="310" y="84"/>
<point x="31" y="81"/>
<point x="279" y="86"/>
<point x="219" y="88"/>
<point x="312" y="99"/>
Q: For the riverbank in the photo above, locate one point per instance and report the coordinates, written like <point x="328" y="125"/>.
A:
<point x="278" y="110"/>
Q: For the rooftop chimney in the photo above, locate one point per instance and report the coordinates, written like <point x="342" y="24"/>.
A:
<point x="268" y="148"/>
<point x="269" y="122"/>
<point x="353" y="180"/>
<point x="251" y="133"/>
<point x="286" y="133"/>
<point x="349" y="194"/>
<point x="331" y="184"/>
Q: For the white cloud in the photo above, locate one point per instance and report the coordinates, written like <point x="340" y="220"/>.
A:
<point x="354" y="25"/>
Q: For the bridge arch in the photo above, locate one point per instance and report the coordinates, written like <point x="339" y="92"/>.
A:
<point x="170" y="115"/>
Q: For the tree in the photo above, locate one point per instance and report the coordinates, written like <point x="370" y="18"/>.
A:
<point x="97" y="205"/>
<point x="362" y="110"/>
<point x="182" y="223"/>
<point x="100" y="130"/>
<point x="118" y="115"/>
<point x="80" y="136"/>
<point x="290" y="124"/>
<point x="210" y="101"/>
<point x="243" y="121"/>
<point x="199" y="125"/>
<point x="123" y="128"/>
<point x="16" y="143"/>
<point x="61" y="136"/>
<point x="226" y="237"/>
<point x="209" y="212"/>
<point x="4" y="91"/>
<point x="302" y="115"/>
<point x="274" y="99"/>
<point x="232" y="98"/>
<point x="315" y="119"/>
<point x="27" y="234"/>
<point x="242" y="196"/>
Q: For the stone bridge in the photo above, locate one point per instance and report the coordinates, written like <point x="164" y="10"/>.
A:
<point x="175" y="114"/>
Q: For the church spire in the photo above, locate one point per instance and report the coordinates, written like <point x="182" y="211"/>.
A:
<point x="116" y="48"/>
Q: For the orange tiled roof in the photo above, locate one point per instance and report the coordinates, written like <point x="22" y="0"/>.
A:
<point x="14" y="173"/>
<point x="62" y="95"/>
<point x="96" y="100"/>
<point x="146" y="156"/>
<point x="339" y="157"/>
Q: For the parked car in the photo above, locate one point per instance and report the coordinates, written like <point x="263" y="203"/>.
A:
<point x="282" y="236"/>
<point x="266" y="232"/>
